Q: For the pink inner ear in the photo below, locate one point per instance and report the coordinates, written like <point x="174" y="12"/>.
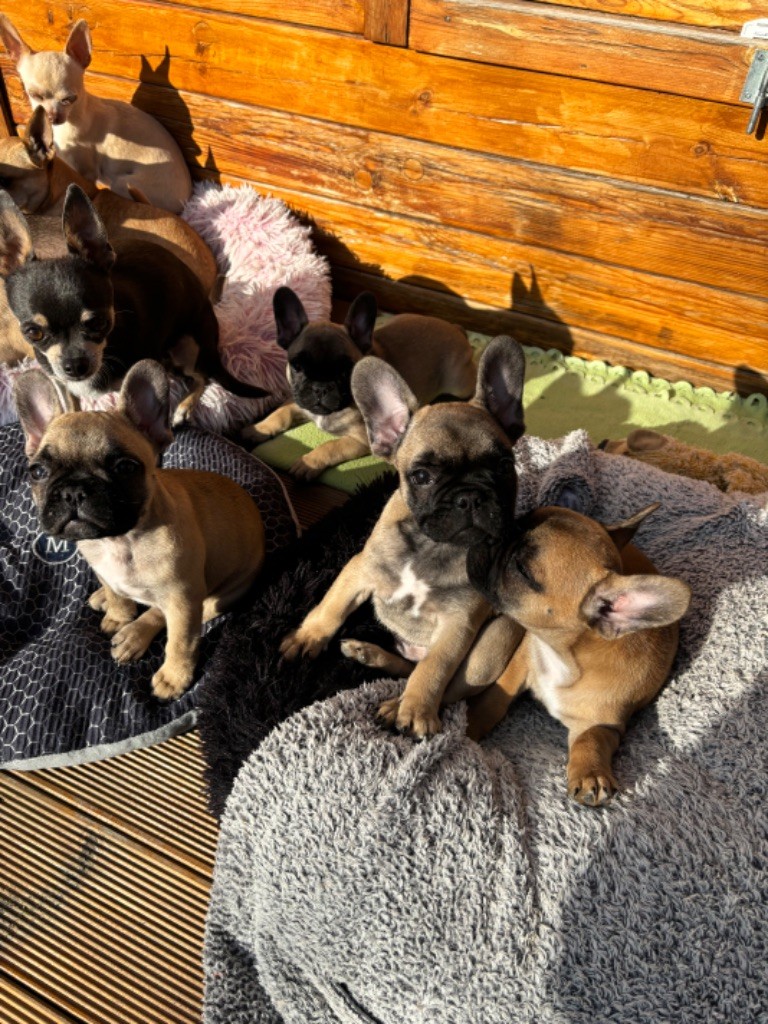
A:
<point x="390" y="419"/>
<point x="631" y="606"/>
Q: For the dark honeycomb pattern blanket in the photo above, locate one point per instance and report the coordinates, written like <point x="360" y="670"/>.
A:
<point x="62" y="698"/>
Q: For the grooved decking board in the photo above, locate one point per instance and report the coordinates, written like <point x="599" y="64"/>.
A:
<point x="104" y="884"/>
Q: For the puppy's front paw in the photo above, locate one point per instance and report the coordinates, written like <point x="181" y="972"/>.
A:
<point x="592" y="790"/>
<point x="415" y="719"/>
<point x="252" y="434"/>
<point x="303" y="641"/>
<point x="115" y="618"/>
<point x="131" y="642"/>
<point x="98" y="600"/>
<point x="170" y="682"/>
<point x="303" y="470"/>
<point x="181" y="416"/>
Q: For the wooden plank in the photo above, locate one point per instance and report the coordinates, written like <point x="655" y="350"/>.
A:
<point x="20" y="1007"/>
<point x="386" y="21"/>
<point x="729" y="14"/>
<point x="655" y="311"/>
<point x="632" y="134"/>
<point x="342" y="15"/>
<point x="708" y="241"/>
<point x="707" y="64"/>
<point x="95" y="924"/>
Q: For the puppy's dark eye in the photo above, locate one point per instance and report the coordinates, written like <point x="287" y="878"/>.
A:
<point x="37" y="471"/>
<point x="420" y="477"/>
<point x="126" y="467"/>
<point x="33" y="333"/>
<point x="521" y="568"/>
<point x="96" y="325"/>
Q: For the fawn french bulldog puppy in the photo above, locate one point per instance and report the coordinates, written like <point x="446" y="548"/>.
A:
<point x="457" y="485"/>
<point x="433" y="357"/>
<point x="104" y="140"/>
<point x="185" y="543"/>
<point x="90" y="315"/>
<point x="600" y="633"/>
<point x="37" y="180"/>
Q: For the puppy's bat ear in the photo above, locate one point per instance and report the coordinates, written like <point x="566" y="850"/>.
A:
<point x="386" y="403"/>
<point x="38" y="403"/>
<point x="78" y="45"/>
<point x="361" y="318"/>
<point x="38" y="138"/>
<point x="15" y="239"/>
<point x="145" y="401"/>
<point x="12" y="41"/>
<point x="624" y="604"/>
<point x="622" y="533"/>
<point x="500" y="379"/>
<point x="290" y="316"/>
<point x="84" y="231"/>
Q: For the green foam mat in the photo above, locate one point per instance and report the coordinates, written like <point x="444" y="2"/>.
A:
<point x="563" y="393"/>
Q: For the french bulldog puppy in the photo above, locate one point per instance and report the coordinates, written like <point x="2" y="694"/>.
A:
<point x="601" y="633"/>
<point x="457" y="485"/>
<point x="433" y="357"/>
<point x="108" y="141"/>
<point x="185" y="543"/>
<point x="37" y="180"/>
<point x="90" y="315"/>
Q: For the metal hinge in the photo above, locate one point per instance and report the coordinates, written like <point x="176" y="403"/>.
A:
<point x="755" y="89"/>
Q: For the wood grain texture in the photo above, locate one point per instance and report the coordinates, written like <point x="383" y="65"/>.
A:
<point x="706" y="64"/>
<point x="386" y="21"/>
<point x="712" y="13"/>
<point x="342" y="15"/>
<point x="635" y="135"/>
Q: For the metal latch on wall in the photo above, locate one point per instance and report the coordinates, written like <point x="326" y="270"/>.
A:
<point x="755" y="89"/>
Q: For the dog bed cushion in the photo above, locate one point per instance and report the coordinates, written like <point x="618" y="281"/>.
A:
<point x="366" y="877"/>
<point x="259" y="244"/>
<point x="563" y="393"/>
<point x="63" y="700"/>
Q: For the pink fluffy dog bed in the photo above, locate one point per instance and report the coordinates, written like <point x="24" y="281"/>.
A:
<point x="259" y="245"/>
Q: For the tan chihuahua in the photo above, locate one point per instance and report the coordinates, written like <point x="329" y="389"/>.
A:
<point x="601" y="633"/>
<point x="104" y="140"/>
<point x="185" y="543"/>
<point x="37" y="181"/>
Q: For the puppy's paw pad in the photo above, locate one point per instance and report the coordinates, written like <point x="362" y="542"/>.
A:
<point x="593" y="790"/>
<point x="98" y="600"/>
<point x="170" y="684"/>
<point x="365" y="653"/>
<point x="302" y="642"/>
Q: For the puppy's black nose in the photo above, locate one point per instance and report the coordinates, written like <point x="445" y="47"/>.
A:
<point x="467" y="501"/>
<point x="73" y="494"/>
<point x="76" y="367"/>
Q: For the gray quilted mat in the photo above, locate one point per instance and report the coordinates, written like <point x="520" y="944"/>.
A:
<point x="62" y="698"/>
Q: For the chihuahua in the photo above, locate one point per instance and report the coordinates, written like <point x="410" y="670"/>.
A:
<point x="433" y="357"/>
<point x="600" y="633"/>
<point x="90" y="315"/>
<point x="185" y="543"/>
<point x="104" y="140"/>
<point x="37" y="181"/>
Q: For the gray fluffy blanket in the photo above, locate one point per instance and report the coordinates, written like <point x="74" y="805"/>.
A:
<point x="365" y="878"/>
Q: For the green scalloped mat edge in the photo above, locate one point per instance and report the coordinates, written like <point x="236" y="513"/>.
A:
<point x="563" y="393"/>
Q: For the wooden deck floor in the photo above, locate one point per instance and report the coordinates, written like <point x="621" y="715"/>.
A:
<point x="105" y="870"/>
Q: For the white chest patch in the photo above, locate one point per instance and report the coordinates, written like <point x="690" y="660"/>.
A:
<point x="549" y="673"/>
<point x="411" y="587"/>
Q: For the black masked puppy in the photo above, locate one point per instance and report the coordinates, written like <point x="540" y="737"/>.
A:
<point x="433" y="357"/>
<point x="90" y="315"/>
<point x="182" y="542"/>
<point x="457" y="485"/>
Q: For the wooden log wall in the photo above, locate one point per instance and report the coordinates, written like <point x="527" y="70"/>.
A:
<point x="565" y="171"/>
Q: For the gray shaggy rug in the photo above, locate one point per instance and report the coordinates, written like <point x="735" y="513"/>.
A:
<point x="366" y="878"/>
